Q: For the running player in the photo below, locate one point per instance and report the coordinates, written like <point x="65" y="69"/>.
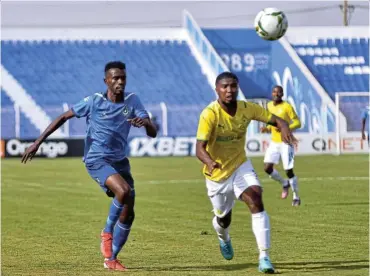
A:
<point x="278" y="149"/>
<point x="109" y="118"/>
<point x="229" y="174"/>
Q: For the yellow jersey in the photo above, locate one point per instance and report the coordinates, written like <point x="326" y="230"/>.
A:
<point x="285" y="111"/>
<point x="226" y="135"/>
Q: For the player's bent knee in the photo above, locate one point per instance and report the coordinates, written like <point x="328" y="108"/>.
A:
<point x="128" y="219"/>
<point x="127" y="215"/>
<point x="119" y="187"/>
<point x="252" y="196"/>
<point x="268" y="168"/>
<point x="256" y="205"/>
<point x="290" y="173"/>
<point x="121" y="195"/>
<point x="220" y="214"/>
<point x="225" y="221"/>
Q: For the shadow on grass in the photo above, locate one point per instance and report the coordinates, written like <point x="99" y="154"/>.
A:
<point x="291" y="266"/>
<point x="347" y="203"/>
<point x="226" y="267"/>
<point x="327" y="265"/>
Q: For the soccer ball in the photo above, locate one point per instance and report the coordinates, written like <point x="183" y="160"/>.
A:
<point x="271" y="24"/>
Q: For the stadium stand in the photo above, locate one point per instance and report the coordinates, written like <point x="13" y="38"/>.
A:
<point x="341" y="65"/>
<point x="338" y="64"/>
<point x="57" y="72"/>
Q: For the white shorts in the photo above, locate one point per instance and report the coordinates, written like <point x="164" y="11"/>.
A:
<point x="223" y="194"/>
<point x="277" y="150"/>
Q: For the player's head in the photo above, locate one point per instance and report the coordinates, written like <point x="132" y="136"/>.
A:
<point x="227" y="87"/>
<point x="277" y="93"/>
<point x="115" y="77"/>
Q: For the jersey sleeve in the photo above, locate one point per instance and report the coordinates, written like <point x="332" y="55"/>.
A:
<point x="259" y="113"/>
<point x="294" y="120"/>
<point x="206" y="122"/>
<point x="83" y="108"/>
<point x="139" y="109"/>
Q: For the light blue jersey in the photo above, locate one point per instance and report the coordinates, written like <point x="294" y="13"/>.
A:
<point x="107" y="126"/>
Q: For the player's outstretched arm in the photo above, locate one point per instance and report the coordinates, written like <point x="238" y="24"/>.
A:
<point x="295" y="121"/>
<point x="150" y="128"/>
<point x="283" y="126"/>
<point x="203" y="156"/>
<point x="295" y="124"/>
<point x="58" y="122"/>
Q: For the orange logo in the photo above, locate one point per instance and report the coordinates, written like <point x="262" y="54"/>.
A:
<point x="2" y="148"/>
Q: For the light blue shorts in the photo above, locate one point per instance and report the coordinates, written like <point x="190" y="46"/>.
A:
<point x="101" y="170"/>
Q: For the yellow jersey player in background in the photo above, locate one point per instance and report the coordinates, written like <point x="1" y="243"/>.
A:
<point x="278" y="149"/>
<point x="221" y="141"/>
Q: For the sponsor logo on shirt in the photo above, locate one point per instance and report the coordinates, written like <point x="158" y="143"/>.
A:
<point x="125" y="110"/>
<point x="229" y="138"/>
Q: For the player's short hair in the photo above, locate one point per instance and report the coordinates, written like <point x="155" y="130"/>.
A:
<point x="279" y="87"/>
<point x="226" y="75"/>
<point x="115" y="65"/>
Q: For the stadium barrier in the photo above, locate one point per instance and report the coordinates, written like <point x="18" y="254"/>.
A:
<point x="50" y="148"/>
<point x="255" y="146"/>
<point x="185" y="146"/>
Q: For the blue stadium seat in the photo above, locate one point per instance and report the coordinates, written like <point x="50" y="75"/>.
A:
<point x="352" y="52"/>
<point x="57" y="72"/>
<point x="347" y="72"/>
<point x="7" y="117"/>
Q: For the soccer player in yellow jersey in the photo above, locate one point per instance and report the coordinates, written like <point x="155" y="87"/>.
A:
<point x="229" y="174"/>
<point x="278" y="148"/>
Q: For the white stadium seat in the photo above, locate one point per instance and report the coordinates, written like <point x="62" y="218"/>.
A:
<point x="348" y="70"/>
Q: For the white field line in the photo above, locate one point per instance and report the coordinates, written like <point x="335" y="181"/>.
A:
<point x="300" y="179"/>
<point x="59" y="186"/>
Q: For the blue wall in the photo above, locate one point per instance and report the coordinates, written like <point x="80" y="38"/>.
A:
<point x="247" y="55"/>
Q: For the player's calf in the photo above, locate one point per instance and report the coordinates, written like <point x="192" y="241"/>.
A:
<point x="115" y="211"/>
<point x="293" y="182"/>
<point x="274" y="174"/>
<point x="221" y="226"/>
<point x="285" y="191"/>
<point x="260" y="220"/>
<point x="122" y="230"/>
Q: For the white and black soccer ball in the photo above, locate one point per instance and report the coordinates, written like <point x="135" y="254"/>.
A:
<point x="271" y="24"/>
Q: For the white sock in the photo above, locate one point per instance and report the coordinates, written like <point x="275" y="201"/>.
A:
<point x="294" y="185"/>
<point x="222" y="233"/>
<point x="276" y="176"/>
<point x="261" y="230"/>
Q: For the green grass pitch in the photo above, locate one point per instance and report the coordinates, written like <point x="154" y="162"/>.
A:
<point x="52" y="215"/>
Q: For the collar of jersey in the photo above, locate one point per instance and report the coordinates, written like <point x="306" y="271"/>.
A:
<point x="237" y="109"/>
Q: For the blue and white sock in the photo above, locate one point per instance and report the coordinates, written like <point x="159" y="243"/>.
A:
<point x="120" y="235"/>
<point x="114" y="213"/>
<point x="294" y="185"/>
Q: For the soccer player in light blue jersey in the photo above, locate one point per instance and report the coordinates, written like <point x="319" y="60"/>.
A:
<point x="109" y="117"/>
<point x="364" y="117"/>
